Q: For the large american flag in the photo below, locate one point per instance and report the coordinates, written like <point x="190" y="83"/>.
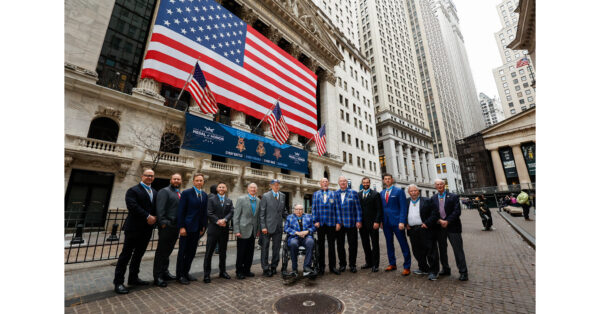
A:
<point x="201" y="92"/>
<point x="320" y="141"/>
<point x="278" y="127"/>
<point x="246" y="71"/>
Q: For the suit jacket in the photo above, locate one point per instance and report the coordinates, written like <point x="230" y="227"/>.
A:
<point x="139" y="206"/>
<point x="429" y="214"/>
<point x="395" y="210"/>
<point x="272" y="212"/>
<point x="192" y="212"/>
<point x="216" y="212"/>
<point x="244" y="221"/>
<point x="167" y="204"/>
<point x="292" y="225"/>
<point x="372" y="210"/>
<point x="349" y="210"/>
<point x="452" y="209"/>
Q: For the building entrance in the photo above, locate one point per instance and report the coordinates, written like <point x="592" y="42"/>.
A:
<point x="86" y="200"/>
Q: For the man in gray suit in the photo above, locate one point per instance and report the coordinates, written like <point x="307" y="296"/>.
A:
<point x="245" y="228"/>
<point x="167" y="202"/>
<point x="272" y="214"/>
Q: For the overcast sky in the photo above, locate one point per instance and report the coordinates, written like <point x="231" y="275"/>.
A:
<point x="478" y="23"/>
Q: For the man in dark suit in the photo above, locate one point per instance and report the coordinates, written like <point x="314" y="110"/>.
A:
<point x="449" y="229"/>
<point x="191" y="221"/>
<point x="422" y="218"/>
<point x="395" y="215"/>
<point x="220" y="212"/>
<point x="372" y="215"/>
<point x="167" y="204"/>
<point x="271" y="217"/>
<point x="245" y="228"/>
<point x="140" y="201"/>
<point x="350" y="213"/>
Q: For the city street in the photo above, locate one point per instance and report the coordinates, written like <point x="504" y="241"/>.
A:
<point x="501" y="279"/>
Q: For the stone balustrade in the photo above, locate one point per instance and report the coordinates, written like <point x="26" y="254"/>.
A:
<point x="289" y="179"/>
<point x="80" y="144"/>
<point x="221" y="168"/>
<point x="258" y="174"/>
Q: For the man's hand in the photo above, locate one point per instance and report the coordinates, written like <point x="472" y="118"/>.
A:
<point x="424" y="226"/>
<point x="359" y="225"/>
<point x="317" y="224"/>
<point x="239" y="235"/>
<point x="202" y="231"/>
<point x="151" y="220"/>
<point x="182" y="232"/>
<point x="444" y="223"/>
<point x="338" y="227"/>
<point x="163" y="226"/>
<point x="221" y="222"/>
<point x="401" y="226"/>
<point x="375" y="226"/>
<point x="264" y="231"/>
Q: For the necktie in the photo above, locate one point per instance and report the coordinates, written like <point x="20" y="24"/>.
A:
<point x="277" y="196"/>
<point x="178" y="195"/>
<point x="199" y="196"/>
<point x="442" y="210"/>
<point x="387" y="196"/>
<point x="300" y="223"/>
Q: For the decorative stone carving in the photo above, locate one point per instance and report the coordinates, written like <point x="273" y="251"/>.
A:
<point x="68" y="161"/>
<point x="109" y="112"/>
<point x="122" y="169"/>
<point x="274" y="35"/>
<point x="248" y="15"/>
<point x="238" y="120"/>
<point x="330" y="77"/>
<point x="149" y="87"/>
<point x="81" y="70"/>
<point x="295" y="51"/>
<point x="175" y="129"/>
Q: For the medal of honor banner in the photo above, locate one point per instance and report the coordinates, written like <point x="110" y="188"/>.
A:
<point x="210" y="137"/>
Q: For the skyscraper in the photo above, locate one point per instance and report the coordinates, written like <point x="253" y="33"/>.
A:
<point x="492" y="111"/>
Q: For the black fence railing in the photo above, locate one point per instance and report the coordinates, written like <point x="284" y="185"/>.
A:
<point x="89" y="240"/>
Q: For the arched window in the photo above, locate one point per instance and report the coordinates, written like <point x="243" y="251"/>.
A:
<point x="170" y="143"/>
<point x="104" y="129"/>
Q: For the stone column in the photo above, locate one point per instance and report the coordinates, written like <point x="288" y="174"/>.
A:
<point x="329" y="111"/>
<point x="431" y="167"/>
<point x="425" y="168"/>
<point x="238" y="120"/>
<point x="498" y="169"/>
<point x="521" y="166"/>
<point x="409" y="166"/>
<point x="148" y="88"/>
<point x="417" y="160"/>
<point x="389" y="149"/>
<point x="294" y="140"/>
<point x="401" y="163"/>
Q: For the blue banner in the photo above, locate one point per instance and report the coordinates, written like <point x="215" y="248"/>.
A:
<point x="210" y="137"/>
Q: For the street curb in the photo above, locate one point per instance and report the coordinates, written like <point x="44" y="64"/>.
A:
<point x="524" y="234"/>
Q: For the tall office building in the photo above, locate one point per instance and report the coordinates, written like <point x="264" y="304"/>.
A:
<point x="470" y="111"/>
<point x="492" y="111"/>
<point x="514" y="83"/>
<point x="439" y="90"/>
<point x="405" y="147"/>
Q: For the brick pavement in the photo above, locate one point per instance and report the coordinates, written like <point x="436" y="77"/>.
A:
<point x="501" y="279"/>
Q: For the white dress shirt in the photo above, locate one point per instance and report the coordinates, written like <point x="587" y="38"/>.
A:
<point x="414" y="214"/>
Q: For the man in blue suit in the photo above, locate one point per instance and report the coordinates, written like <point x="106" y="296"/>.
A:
<point x="300" y="227"/>
<point x="192" y="219"/>
<point x="350" y="212"/>
<point x="395" y="219"/>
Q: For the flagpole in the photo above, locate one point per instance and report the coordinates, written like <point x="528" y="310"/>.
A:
<point x="186" y="84"/>
<point x="261" y="120"/>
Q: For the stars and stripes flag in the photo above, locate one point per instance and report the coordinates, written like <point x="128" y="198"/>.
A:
<point x="201" y="92"/>
<point x="522" y="62"/>
<point x="245" y="70"/>
<point x="278" y="127"/>
<point x="320" y="141"/>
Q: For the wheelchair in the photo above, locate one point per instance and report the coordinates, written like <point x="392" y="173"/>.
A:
<point x="286" y="257"/>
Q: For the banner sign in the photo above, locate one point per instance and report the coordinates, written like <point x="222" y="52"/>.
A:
<point x="529" y="155"/>
<point x="508" y="162"/>
<point x="210" y="137"/>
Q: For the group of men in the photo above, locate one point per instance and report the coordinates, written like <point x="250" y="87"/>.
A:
<point x="336" y="216"/>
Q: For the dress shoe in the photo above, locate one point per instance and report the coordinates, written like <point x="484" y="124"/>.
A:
<point x="391" y="268"/>
<point x="249" y="274"/>
<point x="433" y="277"/>
<point x="137" y="282"/>
<point x="267" y="273"/>
<point x="120" y="289"/>
<point x="206" y="279"/>
<point x="375" y="269"/>
<point x="334" y="270"/>
<point x="419" y="272"/>
<point x="352" y="269"/>
<point x="342" y="269"/>
<point x="405" y="272"/>
<point x="321" y="272"/>
<point x="191" y="278"/>
<point x="159" y="282"/>
<point x="184" y="281"/>
<point x="463" y="277"/>
<point x="168" y="277"/>
<point x="274" y="270"/>
<point x="240" y="276"/>
<point x="365" y="266"/>
<point x="224" y="275"/>
<point x="445" y="272"/>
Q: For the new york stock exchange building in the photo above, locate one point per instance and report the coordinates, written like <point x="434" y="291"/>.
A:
<point x="118" y="121"/>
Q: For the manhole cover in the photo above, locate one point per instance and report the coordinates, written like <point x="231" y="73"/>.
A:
<point x="308" y="303"/>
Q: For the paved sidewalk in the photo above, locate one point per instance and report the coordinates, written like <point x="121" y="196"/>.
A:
<point x="501" y="279"/>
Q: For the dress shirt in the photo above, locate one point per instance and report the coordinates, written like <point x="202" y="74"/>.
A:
<point x="414" y="213"/>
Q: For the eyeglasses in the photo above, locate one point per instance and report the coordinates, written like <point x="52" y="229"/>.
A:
<point x="148" y="175"/>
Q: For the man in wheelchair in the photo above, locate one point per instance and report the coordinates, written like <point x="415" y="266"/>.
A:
<point x="299" y="229"/>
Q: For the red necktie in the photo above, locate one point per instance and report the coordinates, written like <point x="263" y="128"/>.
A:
<point x="387" y="196"/>
<point x="179" y="195"/>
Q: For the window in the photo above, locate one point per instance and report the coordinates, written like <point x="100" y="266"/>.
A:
<point x="518" y="88"/>
<point x="508" y="98"/>
<point x="513" y="74"/>
<point x="510" y="104"/>
<point x="343" y="136"/>
<point x="516" y="81"/>
<point x="528" y="92"/>
<point x="519" y="94"/>
<point x="342" y="114"/>
<point x="344" y="156"/>
<point x="506" y="91"/>
<point x="521" y="101"/>
<point x="170" y="143"/>
<point x="503" y="78"/>
<point x="513" y="111"/>
<point x="350" y="158"/>
<point x="104" y="129"/>
<point x="444" y="168"/>
<point x="437" y="166"/>
<point x="505" y="84"/>
<point x="529" y="99"/>
<point x="523" y="78"/>
<point x="521" y="71"/>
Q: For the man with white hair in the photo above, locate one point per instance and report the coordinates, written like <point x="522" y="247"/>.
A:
<point x="245" y="228"/>
<point x="350" y="212"/>
<point x="301" y="228"/>
<point x="449" y="229"/>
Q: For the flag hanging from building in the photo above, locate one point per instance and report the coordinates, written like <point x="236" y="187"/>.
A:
<point x="522" y="62"/>
<point x="278" y="127"/>
<point x="201" y="92"/>
<point x="245" y="70"/>
<point x="319" y="138"/>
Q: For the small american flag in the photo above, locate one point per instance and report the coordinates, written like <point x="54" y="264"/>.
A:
<point x="279" y="128"/>
<point x="522" y="62"/>
<point x="201" y="92"/>
<point x="320" y="141"/>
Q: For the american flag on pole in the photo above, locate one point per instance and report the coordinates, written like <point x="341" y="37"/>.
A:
<point x="245" y="70"/>
<point x="320" y="141"/>
<point x="201" y="92"/>
<point x="278" y="127"/>
<point x="522" y="62"/>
